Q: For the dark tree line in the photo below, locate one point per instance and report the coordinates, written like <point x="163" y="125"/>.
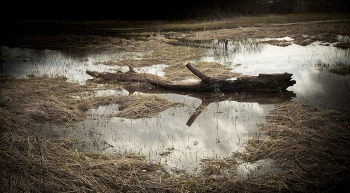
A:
<point x="127" y="9"/>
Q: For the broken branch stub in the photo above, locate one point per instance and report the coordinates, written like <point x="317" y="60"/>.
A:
<point x="196" y="72"/>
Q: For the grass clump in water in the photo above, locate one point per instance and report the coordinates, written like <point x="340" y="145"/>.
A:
<point x="138" y="106"/>
<point x="341" y="68"/>
<point x="338" y="68"/>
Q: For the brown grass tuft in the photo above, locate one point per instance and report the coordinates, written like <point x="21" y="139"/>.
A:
<point x="137" y="106"/>
<point x="312" y="145"/>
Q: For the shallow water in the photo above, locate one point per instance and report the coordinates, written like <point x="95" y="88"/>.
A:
<point x="219" y="130"/>
<point x="21" y="62"/>
<point x="181" y="136"/>
<point x="309" y="65"/>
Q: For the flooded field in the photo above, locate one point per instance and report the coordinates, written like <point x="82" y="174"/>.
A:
<point x="204" y="126"/>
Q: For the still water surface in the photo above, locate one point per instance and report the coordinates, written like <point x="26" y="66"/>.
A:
<point x="220" y="129"/>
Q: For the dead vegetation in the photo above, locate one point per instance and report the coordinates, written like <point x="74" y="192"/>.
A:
<point x="157" y="49"/>
<point x="343" y="45"/>
<point x="138" y="106"/>
<point x="302" y="35"/>
<point x="345" y="70"/>
<point x="312" y="145"/>
<point x="31" y="164"/>
<point x="178" y="72"/>
<point x="27" y="102"/>
<point x="282" y="43"/>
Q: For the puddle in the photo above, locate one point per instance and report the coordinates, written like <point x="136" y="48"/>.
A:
<point x="21" y="62"/>
<point x="309" y="65"/>
<point x="181" y="136"/>
<point x="219" y="130"/>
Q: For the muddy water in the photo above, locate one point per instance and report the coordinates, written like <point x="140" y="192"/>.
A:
<point x="180" y="137"/>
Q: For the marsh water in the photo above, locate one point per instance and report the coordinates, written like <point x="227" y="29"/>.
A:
<point x="179" y="138"/>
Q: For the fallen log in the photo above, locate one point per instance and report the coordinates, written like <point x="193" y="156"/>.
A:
<point x="263" y="82"/>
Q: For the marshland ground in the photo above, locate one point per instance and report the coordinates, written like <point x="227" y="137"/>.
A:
<point x="310" y="145"/>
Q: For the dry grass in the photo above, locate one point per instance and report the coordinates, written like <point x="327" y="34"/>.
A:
<point x="341" y="70"/>
<point x="30" y="164"/>
<point x="28" y="102"/>
<point x="312" y="145"/>
<point x="157" y="50"/>
<point x="25" y="102"/>
<point x="138" y="106"/>
<point x="215" y="70"/>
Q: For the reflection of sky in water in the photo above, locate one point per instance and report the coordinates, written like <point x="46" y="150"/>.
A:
<point x="222" y="128"/>
<point x="21" y="62"/>
<point x="314" y="85"/>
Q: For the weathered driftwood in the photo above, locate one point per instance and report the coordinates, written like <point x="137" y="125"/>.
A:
<point x="263" y="82"/>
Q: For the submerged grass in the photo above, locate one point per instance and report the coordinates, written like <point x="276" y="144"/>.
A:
<point x="338" y="68"/>
<point x="341" y="68"/>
